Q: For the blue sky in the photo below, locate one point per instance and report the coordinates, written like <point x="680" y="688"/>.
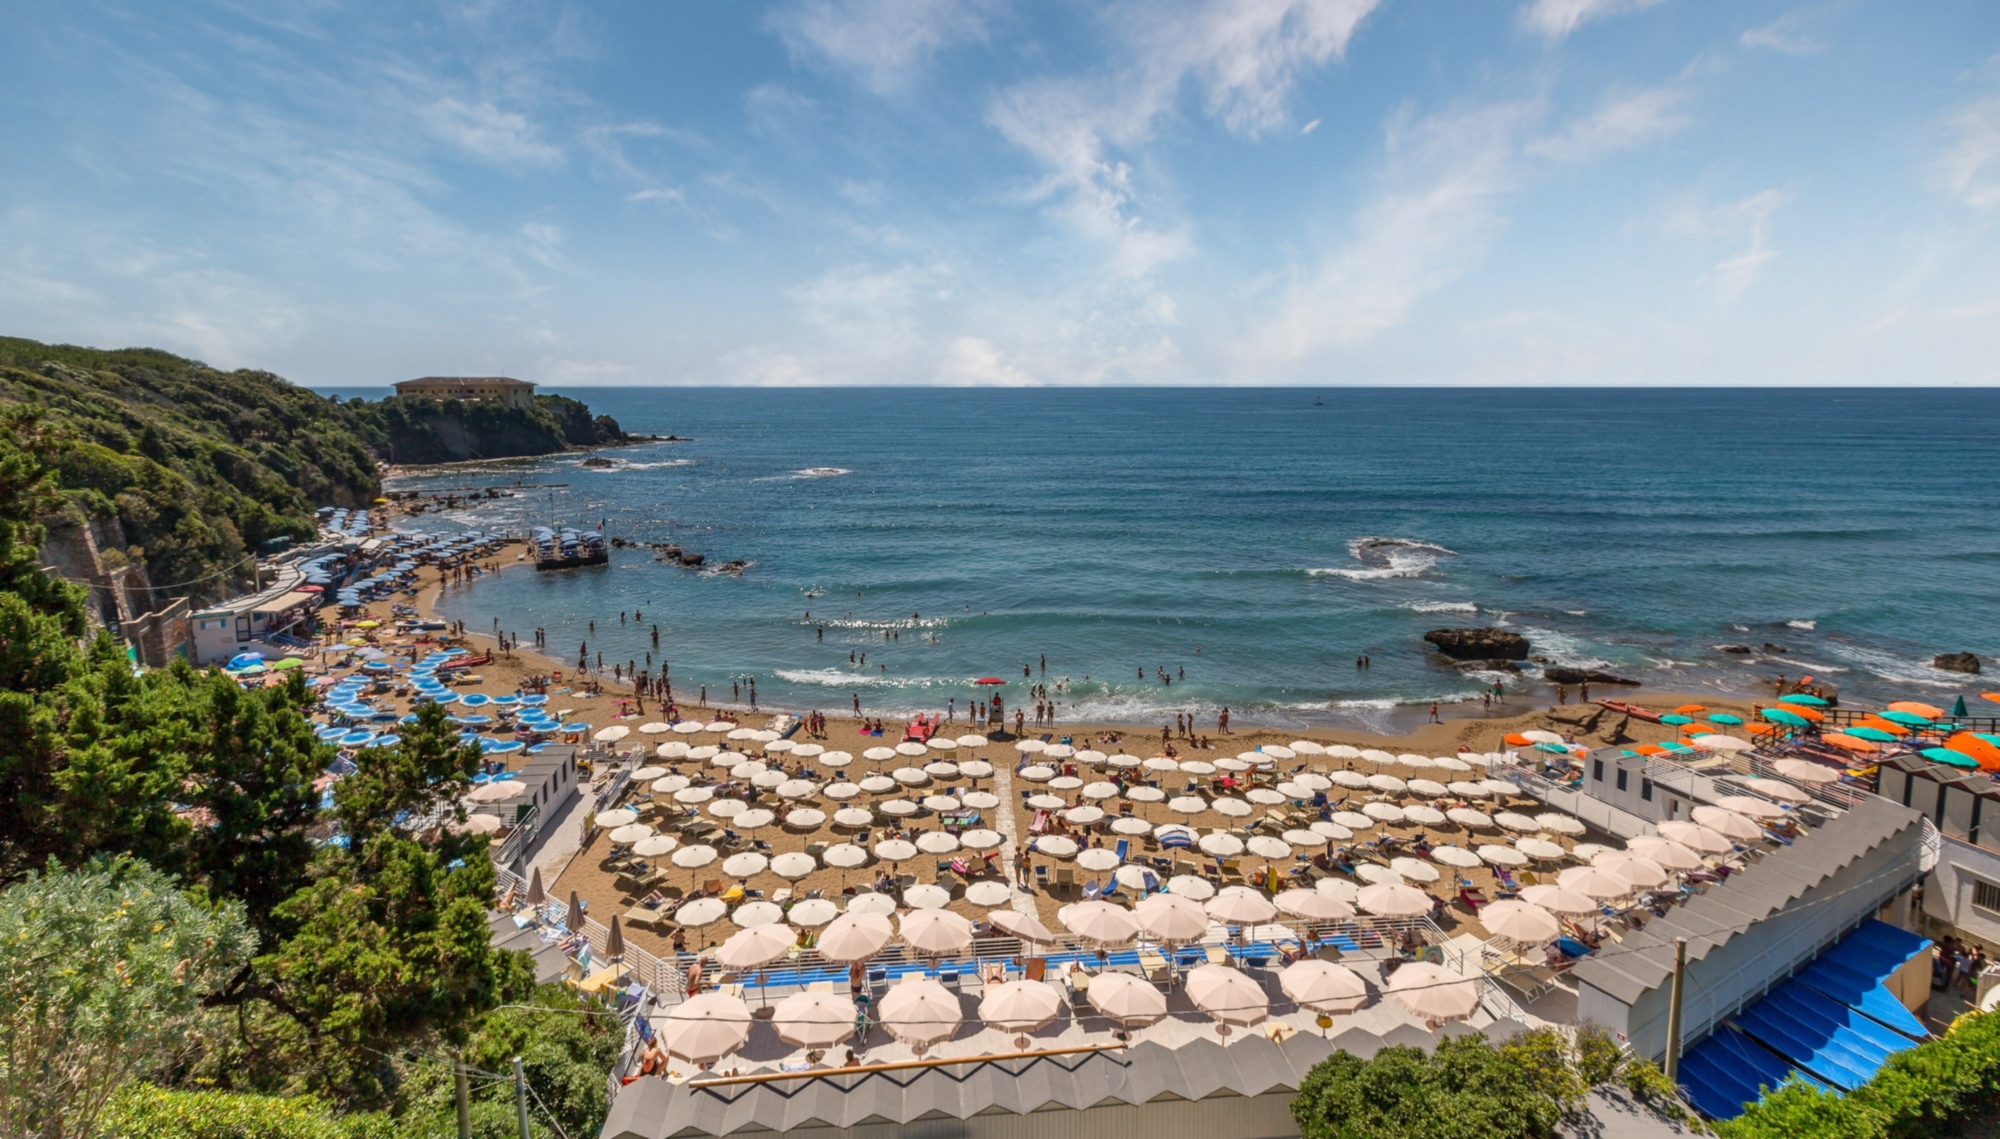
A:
<point x="1010" y="192"/>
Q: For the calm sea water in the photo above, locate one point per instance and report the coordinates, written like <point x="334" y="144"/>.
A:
<point x="1261" y="540"/>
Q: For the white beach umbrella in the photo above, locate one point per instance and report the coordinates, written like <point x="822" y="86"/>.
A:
<point x="895" y="850"/>
<point x="1641" y="873"/>
<point x="1560" y="823"/>
<point x="793" y="864"/>
<point x="1100" y="923"/>
<point x="1517" y="822"/>
<point x="988" y="893"/>
<point x="1428" y="787"/>
<point x="814" y="1021"/>
<point x="1055" y="845"/>
<point x="756" y="818"/>
<point x="1415" y="869"/>
<point x="853" y="817"/>
<point x="1520" y="922"/>
<point x="878" y="754"/>
<point x="1130" y="825"/>
<point x="1415" y="762"/>
<point x="1807" y="772"/>
<point x="1044" y="802"/>
<point x="941" y="743"/>
<point x="1323" y="986"/>
<point x="873" y="904"/>
<point x="672" y="749"/>
<point x="687" y="728"/>
<point x="1231" y="808"/>
<point x="1456" y="856"/>
<point x="631" y="833"/>
<point x="941" y="770"/>
<point x="1025" y="926"/>
<point x="652" y="846"/>
<point x="1695" y="837"/>
<point x="1386" y="783"/>
<point x="1171" y="918"/>
<point x="1312" y="905"/>
<point x="1126" y="999"/>
<point x="1353" y="820"/>
<point x="1037" y="773"/>
<point x="973" y="741"/>
<point x="1100" y="790"/>
<point x="745" y="865"/>
<point x="1717" y="742"/>
<point x="901" y="808"/>
<point x="812" y="913"/>
<point x="1190" y="886"/>
<point x="843" y="856"/>
<point x="1220" y="845"/>
<point x="727" y="808"/>
<point x="1668" y="853"/>
<point x="1499" y="855"/>
<point x="1353" y="780"/>
<point x="1594" y="882"/>
<point x="1777" y="789"/>
<point x="615" y="818"/>
<point x="1376" y="874"/>
<point x="927" y="897"/>
<point x="1432" y="992"/>
<point x="936" y="842"/>
<point x="877" y="784"/>
<point x="779" y="746"/>
<point x="835" y="758"/>
<point x="648" y="774"/>
<point x="1264" y="796"/>
<point x="1227" y="995"/>
<point x="691" y="857"/>
<point x="980" y="838"/>
<point x="1383" y="812"/>
<point x="1123" y="760"/>
<point x="1540" y="849"/>
<point x="1144" y="794"/>
<point x="1241" y="908"/>
<point x="1019" y="1006"/>
<point x="854" y="937"/>
<point x="941" y="804"/>
<point x="919" y="1013"/>
<point x="1425" y="816"/>
<point x="1393" y="900"/>
<point x="1265" y="846"/>
<point x="1376" y="755"/>
<point x="1084" y="816"/>
<point x="1307" y="747"/>
<point x="742" y="733"/>
<point x="1728" y="824"/>
<point x="1751" y="807"/>
<point x="1029" y="746"/>
<point x="701" y="912"/>
<point x="1340" y="888"/>
<point x="693" y="795"/>
<point x="975" y="769"/>
<point x="705" y="1028"/>
<point x="611" y="734"/>
<point x="670" y="784"/>
<point x="1328" y="829"/>
<point x="841" y="790"/>
<point x="980" y="800"/>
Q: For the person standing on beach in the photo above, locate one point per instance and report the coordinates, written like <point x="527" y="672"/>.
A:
<point x="857" y="703"/>
<point x="1583" y="692"/>
<point x="1434" y="713"/>
<point x="1222" y="722"/>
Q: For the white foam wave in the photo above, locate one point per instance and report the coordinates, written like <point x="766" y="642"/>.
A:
<point x="880" y="624"/>
<point x="1802" y="624"/>
<point x="821" y="472"/>
<point x="840" y="678"/>
<point x="1384" y="558"/>
<point x="1442" y="607"/>
<point x="1888" y="666"/>
<point x="1562" y="648"/>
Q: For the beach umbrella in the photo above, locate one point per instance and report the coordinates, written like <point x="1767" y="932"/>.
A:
<point x="756" y="945"/>
<point x="1432" y="992"/>
<point x="835" y="759"/>
<point x="648" y="774"/>
<point x="1802" y="698"/>
<point x="1383" y="812"/>
<point x="498" y="791"/>
<point x="1783" y="716"/>
<point x="1084" y="815"/>
<point x="872" y="903"/>
<point x="895" y="850"/>
<point x="1323" y="986"/>
<point x="1220" y="845"/>
<point x="1540" y="849"/>
<point x="1641" y="872"/>
<point x="1393" y="900"/>
<point x="1429" y="787"/>
<point x="1232" y="808"/>
<point x="1099" y="922"/>
<point x="727" y="808"/>
<point x="1228" y="996"/>
<point x="812" y="912"/>
<point x="1024" y="926"/>
<point x="1668" y="853"/>
<point x="937" y="842"/>
<point x="1377" y="875"/>
<point x="1501" y="855"/>
<point x="612" y="734"/>
<point x="631" y="833"/>
<point x="842" y="790"/>
<point x="1137" y="878"/>
<point x="1097" y="860"/>
<point x="805" y="818"/>
<point x="1171" y="918"/>
<point x="1777" y="789"/>
<point x="1723" y="743"/>
<point x="701" y="912"/>
<point x="1949" y="757"/>
<point x="1457" y="856"/>
<point x="1030" y="746"/>
<point x="690" y="796"/>
<point x="1190" y="886"/>
<point x="1241" y="907"/>
<point x="972" y="741"/>
<point x="1386" y="783"/>
<point x="1695" y="837"/>
<point x="936" y="932"/>
<point x="1559" y="823"/>
<point x="793" y="864"/>
<point x="745" y="864"/>
<point x="941" y="770"/>
<point x="1415" y="869"/>
<point x="814" y="1021"/>
<point x="1037" y="773"/>
<point x="1469" y="818"/>
<point x="1019" y="1006"/>
<point x="706" y="1027"/>
<point x="943" y="804"/>
<point x="1751" y="806"/>
<point x="1376" y="755"/>
<point x="854" y="937"/>
<point x="980" y="838"/>
<point x="691" y="857"/>
<point x="652" y="846"/>
<point x="1727" y="823"/>
<point x="1056" y="846"/>
<point x="1520" y="922"/>
<point x="1353" y="819"/>
<point x="853" y="817"/>
<point x="1594" y="882"/>
<point x="1559" y="900"/>
<point x="478" y="824"/>
<point x="975" y="769"/>
<point x="878" y="754"/>
<point x="1904" y="718"/>
<point x="1353" y="780"/>
<point x="1312" y="905"/>
<point x="1806" y="771"/>
<point x="927" y="897"/>
<point x="919" y="1013"/>
<point x="1517" y="822"/>
<point x="988" y="893"/>
<point x="1100" y="790"/>
<point x="1126" y="999"/>
<point x="1265" y="846"/>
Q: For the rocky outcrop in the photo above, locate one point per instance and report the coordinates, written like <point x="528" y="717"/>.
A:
<point x="1956" y="662"/>
<point x="1479" y="644"/>
<point x="1736" y="650"/>
<point x="1487" y="665"/>
<point x="1771" y="648"/>
<point x="1563" y="674"/>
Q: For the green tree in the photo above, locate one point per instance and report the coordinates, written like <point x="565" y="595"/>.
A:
<point x="424" y="775"/>
<point x="143" y="1111"/>
<point x="104" y="971"/>
<point x="566" y="1043"/>
<point x="1466" y="1089"/>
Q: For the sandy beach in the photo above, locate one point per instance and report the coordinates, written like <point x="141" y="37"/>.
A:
<point x="589" y="874"/>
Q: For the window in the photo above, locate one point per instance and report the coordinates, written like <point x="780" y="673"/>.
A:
<point x="1646" y="790"/>
<point x="1622" y="773"/>
<point x="1986" y="895"/>
<point x="1597" y="770"/>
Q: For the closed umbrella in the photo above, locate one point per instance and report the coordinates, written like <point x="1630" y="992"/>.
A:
<point x="1228" y="996"/>
<point x="1432" y="992"/>
<point x="919" y="1013"/>
<point x="705" y="1028"/>
<point x="614" y="939"/>
<point x="814" y="1021"/>
<point x="1323" y="986"/>
<point x="855" y="937"/>
<point x="1126" y="999"/>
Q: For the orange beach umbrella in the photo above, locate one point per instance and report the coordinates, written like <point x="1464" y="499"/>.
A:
<point x="1965" y="743"/>
<point x="1928" y="711"/>
<point x="1854" y="744"/>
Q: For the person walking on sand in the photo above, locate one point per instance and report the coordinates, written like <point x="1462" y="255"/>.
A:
<point x="1583" y="691"/>
<point x="1434" y="713"/>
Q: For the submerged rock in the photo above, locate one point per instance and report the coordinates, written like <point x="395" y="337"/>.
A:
<point x="1563" y="674"/>
<point x="1739" y="650"/>
<point x="1479" y="644"/>
<point x="1956" y="662"/>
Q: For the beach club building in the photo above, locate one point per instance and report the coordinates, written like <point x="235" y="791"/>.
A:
<point x="492" y="389"/>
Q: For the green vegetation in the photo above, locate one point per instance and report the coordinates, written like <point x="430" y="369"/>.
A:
<point x="1470" y="1089"/>
<point x="1938" y="1089"/>
<point x="171" y="913"/>
<point x="184" y="470"/>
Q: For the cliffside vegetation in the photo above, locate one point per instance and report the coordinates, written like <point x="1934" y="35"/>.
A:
<point x="184" y="470"/>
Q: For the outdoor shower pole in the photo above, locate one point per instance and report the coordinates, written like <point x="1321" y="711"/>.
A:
<point x="463" y="1097"/>
<point x="1673" y="1064"/>
<point x="521" y="1099"/>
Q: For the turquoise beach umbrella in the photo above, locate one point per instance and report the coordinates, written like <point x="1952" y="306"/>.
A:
<point x="1910" y="719"/>
<point x="1780" y="716"/>
<point x="1724" y="718"/>
<point x="1805" y="698"/>
<point x="1946" y="755"/>
<point x="1958" y="708"/>
<point x="1876" y="735"/>
<point x="1676" y="718"/>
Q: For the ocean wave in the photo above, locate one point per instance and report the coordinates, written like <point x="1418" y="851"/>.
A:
<point x="1441" y="607"/>
<point x="1801" y="623"/>
<point x="618" y="465"/>
<point x="821" y="472"/>
<point x="839" y="678"/>
<point x="1562" y="647"/>
<point x="1888" y="666"/>
<point x="880" y="623"/>
<point x="1384" y="558"/>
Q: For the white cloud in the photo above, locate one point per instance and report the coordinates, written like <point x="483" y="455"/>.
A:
<point x="1743" y="225"/>
<point x="971" y="361"/>
<point x="1558" y="18"/>
<point x="1426" y="227"/>
<point x="883" y="43"/>
<point x="1785" y="34"/>
<point x="1244" y="55"/>
<point x="1971" y="168"/>
<point x="1621" y="123"/>
<point x="504" y="138"/>
<point x="1309" y="127"/>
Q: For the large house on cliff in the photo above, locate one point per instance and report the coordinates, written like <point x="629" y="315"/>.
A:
<point x="498" y="389"/>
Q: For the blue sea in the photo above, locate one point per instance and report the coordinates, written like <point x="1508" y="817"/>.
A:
<point x="1254" y="543"/>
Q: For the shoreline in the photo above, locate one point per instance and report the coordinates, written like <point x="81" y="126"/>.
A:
<point x="405" y="470"/>
<point x="1461" y="724"/>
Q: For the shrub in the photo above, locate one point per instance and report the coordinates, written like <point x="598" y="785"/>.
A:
<point x="142" y="1111"/>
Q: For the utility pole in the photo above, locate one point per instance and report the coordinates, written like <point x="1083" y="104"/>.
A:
<point x="464" y="1098"/>
<point x="1673" y="1064"/>
<point x="521" y="1099"/>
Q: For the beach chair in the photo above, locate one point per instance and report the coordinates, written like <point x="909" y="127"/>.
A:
<point x="1120" y="850"/>
<point x="1066" y="877"/>
<point x="1042" y="877"/>
<point x="1155" y="966"/>
<point x="1037" y="968"/>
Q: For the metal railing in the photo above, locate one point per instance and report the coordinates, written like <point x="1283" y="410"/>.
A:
<point x="1588" y="809"/>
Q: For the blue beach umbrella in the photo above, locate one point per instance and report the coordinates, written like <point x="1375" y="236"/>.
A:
<point x="534" y="700"/>
<point x="476" y="699"/>
<point x="481" y="719"/>
<point x="1676" y="719"/>
<point x="575" y="726"/>
<point x="330" y="734"/>
<point x="356" y="739"/>
<point x="507" y="701"/>
<point x="501" y="747"/>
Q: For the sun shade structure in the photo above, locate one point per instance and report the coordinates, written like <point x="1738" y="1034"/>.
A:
<point x="705" y="1028"/>
<point x="814" y="1020"/>
<point x="1323" y="986"/>
<point x="1227" y="995"/>
<point x="1433" y="992"/>
<point x="1127" y="999"/>
<point x="1020" y="1006"/>
<point x="919" y="1012"/>
<point x="855" y="937"/>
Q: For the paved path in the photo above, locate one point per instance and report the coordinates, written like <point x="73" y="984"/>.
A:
<point x="1003" y="821"/>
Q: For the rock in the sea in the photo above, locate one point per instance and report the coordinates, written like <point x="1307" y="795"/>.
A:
<point x="1771" y="648"/>
<point x="734" y="566"/>
<point x="1563" y="674"/>
<point x="1487" y="665"/>
<point x="598" y="461"/>
<point x="1739" y="650"/>
<point x="1956" y="662"/>
<point x="1479" y="644"/>
<point x="691" y="560"/>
